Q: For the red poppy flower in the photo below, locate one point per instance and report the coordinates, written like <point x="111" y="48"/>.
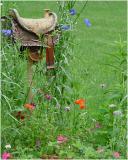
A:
<point x="82" y="107"/>
<point x="20" y="115"/>
<point x="81" y="103"/>
<point x="30" y="107"/>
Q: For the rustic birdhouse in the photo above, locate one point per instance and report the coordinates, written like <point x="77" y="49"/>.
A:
<point x="34" y="34"/>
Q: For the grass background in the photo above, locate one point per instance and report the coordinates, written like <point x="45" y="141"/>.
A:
<point x="91" y="48"/>
<point x="108" y="19"/>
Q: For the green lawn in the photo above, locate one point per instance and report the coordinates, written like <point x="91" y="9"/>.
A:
<point x="108" y="24"/>
<point x="87" y="68"/>
<point x="108" y="21"/>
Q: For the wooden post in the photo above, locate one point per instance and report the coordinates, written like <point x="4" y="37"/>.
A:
<point x="30" y="77"/>
<point x="50" y="52"/>
<point x="33" y="57"/>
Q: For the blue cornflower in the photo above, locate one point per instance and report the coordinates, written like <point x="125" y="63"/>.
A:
<point x="72" y="11"/>
<point x="65" y="27"/>
<point x="87" y="22"/>
<point x="7" y="32"/>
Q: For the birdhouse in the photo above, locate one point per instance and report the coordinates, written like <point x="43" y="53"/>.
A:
<point x="34" y="34"/>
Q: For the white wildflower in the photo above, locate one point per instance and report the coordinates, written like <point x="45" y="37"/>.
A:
<point x="103" y="85"/>
<point x="94" y="120"/>
<point x="7" y="146"/>
<point x="112" y="106"/>
<point x="83" y="114"/>
<point x="118" y="113"/>
<point x="58" y="106"/>
<point x="67" y="108"/>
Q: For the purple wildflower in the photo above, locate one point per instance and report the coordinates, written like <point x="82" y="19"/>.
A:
<point x="6" y="156"/>
<point x="97" y="125"/>
<point x="33" y="104"/>
<point x="65" y="27"/>
<point x="72" y="11"/>
<point x="48" y="97"/>
<point x="7" y="32"/>
<point x="61" y="139"/>
<point x="116" y="155"/>
<point x="87" y="22"/>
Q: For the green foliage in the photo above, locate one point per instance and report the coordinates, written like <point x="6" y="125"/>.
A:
<point x="77" y="74"/>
